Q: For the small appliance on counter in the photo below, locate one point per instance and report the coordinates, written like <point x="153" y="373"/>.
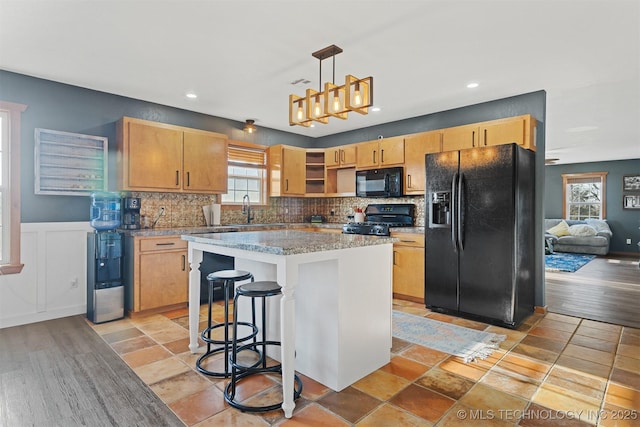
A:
<point x="131" y="213"/>
<point x="381" y="217"/>
<point x="317" y="219"/>
<point x="105" y="286"/>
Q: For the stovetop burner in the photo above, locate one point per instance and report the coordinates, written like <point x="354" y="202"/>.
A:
<point x="366" y="228"/>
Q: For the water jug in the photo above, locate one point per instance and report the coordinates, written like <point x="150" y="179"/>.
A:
<point x="105" y="211"/>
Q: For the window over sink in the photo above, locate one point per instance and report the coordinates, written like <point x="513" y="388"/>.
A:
<point x="247" y="174"/>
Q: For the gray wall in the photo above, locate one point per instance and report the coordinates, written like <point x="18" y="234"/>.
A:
<point x="62" y="107"/>
<point x="57" y="106"/>
<point x="624" y="223"/>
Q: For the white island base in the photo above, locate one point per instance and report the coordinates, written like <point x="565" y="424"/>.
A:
<point x="336" y="303"/>
<point x="342" y="319"/>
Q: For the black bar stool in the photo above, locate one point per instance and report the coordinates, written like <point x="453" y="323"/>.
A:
<point x="254" y="290"/>
<point x="228" y="279"/>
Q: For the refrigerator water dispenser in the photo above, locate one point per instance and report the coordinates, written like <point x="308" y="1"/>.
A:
<point x="440" y="210"/>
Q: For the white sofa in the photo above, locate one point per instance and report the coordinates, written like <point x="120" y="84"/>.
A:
<point x="584" y="241"/>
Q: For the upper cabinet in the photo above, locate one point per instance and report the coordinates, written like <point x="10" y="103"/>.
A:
<point x="380" y="152"/>
<point x="287" y="171"/>
<point x="416" y="146"/>
<point x="519" y="130"/>
<point x="344" y="156"/>
<point x="160" y="157"/>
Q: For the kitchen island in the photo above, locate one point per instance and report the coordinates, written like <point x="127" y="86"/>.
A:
<point x="334" y="319"/>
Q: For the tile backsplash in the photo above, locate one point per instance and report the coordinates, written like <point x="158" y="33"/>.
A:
<point x="185" y="210"/>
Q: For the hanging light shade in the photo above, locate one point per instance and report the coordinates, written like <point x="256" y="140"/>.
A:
<point x="249" y="126"/>
<point x="316" y="106"/>
<point x="359" y="94"/>
<point x="298" y="111"/>
<point x="335" y="101"/>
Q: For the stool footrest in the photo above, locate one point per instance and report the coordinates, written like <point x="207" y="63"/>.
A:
<point x="206" y="331"/>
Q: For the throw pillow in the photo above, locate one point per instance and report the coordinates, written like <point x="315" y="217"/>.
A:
<point x="582" y="230"/>
<point x="562" y="229"/>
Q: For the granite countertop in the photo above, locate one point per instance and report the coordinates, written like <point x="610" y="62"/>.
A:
<point x="146" y="232"/>
<point x="287" y="242"/>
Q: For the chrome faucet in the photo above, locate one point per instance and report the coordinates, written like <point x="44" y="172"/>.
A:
<point x="246" y="207"/>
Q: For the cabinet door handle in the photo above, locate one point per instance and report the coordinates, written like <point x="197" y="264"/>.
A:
<point x="286" y="185"/>
<point x="473" y="138"/>
<point x="165" y="244"/>
<point x="177" y="177"/>
<point x="342" y="155"/>
<point x="407" y="241"/>
<point x="374" y="156"/>
<point x="184" y="263"/>
<point x="485" y="137"/>
<point x="188" y="179"/>
<point x="408" y="180"/>
<point x="335" y="156"/>
<point x="381" y="156"/>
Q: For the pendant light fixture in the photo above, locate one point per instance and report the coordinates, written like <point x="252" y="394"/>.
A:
<point x="335" y="101"/>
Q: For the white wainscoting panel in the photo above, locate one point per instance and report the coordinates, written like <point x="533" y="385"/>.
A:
<point x="53" y="282"/>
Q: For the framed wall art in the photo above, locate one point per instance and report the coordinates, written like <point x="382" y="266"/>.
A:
<point x="631" y="201"/>
<point x="631" y="183"/>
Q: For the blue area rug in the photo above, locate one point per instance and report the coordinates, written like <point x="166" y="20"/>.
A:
<point x="469" y="344"/>
<point x="568" y="262"/>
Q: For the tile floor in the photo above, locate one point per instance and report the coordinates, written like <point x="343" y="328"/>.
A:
<point x="552" y="370"/>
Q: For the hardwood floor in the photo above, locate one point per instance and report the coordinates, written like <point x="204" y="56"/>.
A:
<point x="60" y="373"/>
<point x="607" y="289"/>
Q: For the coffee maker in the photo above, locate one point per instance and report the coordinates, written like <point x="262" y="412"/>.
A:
<point x="130" y="213"/>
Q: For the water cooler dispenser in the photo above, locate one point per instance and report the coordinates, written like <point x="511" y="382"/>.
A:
<point x="105" y="285"/>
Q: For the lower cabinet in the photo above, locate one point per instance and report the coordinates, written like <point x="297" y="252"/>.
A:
<point x="159" y="272"/>
<point x="408" y="267"/>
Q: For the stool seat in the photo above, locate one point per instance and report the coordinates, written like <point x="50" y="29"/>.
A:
<point x="235" y="275"/>
<point x="259" y="289"/>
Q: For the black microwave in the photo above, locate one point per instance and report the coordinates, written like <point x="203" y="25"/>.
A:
<point x="385" y="182"/>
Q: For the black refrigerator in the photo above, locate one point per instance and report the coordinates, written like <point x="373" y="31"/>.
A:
<point x="480" y="233"/>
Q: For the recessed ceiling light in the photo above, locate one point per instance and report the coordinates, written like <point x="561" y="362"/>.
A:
<point x="191" y="95"/>
<point x="376" y="109"/>
<point x="472" y="85"/>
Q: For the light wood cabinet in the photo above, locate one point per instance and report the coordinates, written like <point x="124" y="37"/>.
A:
<point x="408" y="266"/>
<point x="287" y="171"/>
<point x="380" y="152"/>
<point x="155" y="156"/>
<point x="343" y="156"/>
<point x="519" y="130"/>
<point x="160" y="273"/>
<point x="416" y="146"/>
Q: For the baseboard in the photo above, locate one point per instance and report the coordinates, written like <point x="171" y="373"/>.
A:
<point x="25" y="319"/>
<point x="625" y="254"/>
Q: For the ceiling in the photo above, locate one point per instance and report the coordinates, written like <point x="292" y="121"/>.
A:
<point x="240" y="58"/>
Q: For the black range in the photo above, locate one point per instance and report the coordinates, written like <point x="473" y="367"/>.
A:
<point x="380" y="217"/>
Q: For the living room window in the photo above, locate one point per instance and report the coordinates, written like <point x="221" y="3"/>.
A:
<point x="247" y="173"/>
<point x="584" y="195"/>
<point x="10" y="115"/>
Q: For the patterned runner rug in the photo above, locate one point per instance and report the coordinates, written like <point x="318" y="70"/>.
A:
<point x="561" y="261"/>
<point x="469" y="344"/>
